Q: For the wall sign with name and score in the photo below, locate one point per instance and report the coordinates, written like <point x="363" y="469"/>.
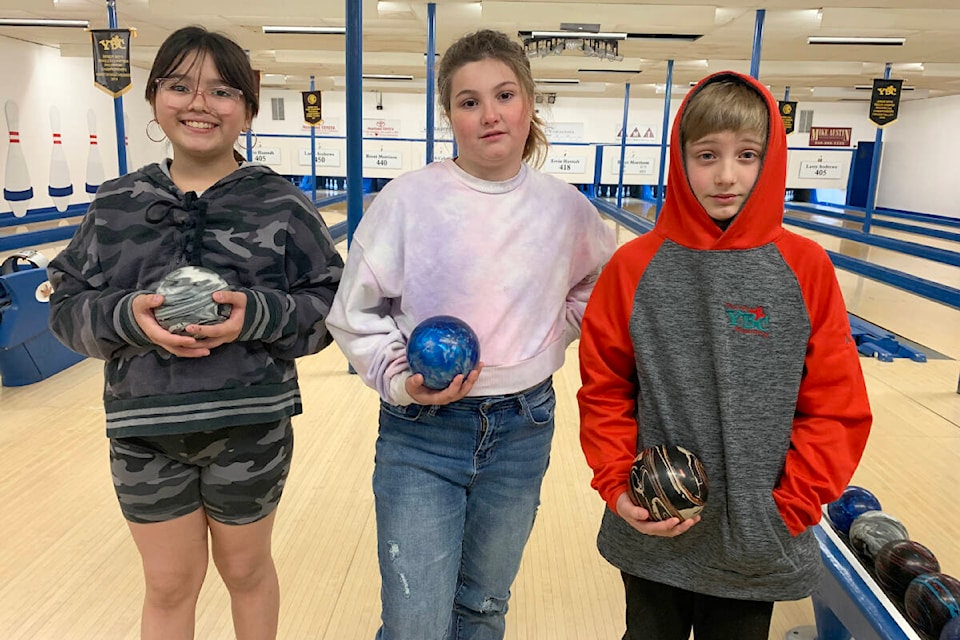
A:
<point x="324" y="157"/>
<point x="821" y="170"/>
<point x="267" y="155"/>
<point x="635" y="166"/>
<point x="566" y="164"/>
<point x="383" y="159"/>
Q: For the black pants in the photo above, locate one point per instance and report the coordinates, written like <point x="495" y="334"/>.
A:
<point x="656" y="611"/>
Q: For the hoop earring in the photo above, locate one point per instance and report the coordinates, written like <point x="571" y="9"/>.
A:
<point x="162" y="137"/>
<point x="243" y="146"/>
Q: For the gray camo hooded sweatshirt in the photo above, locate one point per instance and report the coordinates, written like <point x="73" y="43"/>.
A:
<point x="254" y="228"/>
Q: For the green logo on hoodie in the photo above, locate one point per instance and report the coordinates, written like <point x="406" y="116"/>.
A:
<point x="750" y="320"/>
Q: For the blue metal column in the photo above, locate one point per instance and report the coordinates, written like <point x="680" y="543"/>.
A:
<point x="118" y="101"/>
<point x="786" y="94"/>
<point x="313" y="149"/>
<point x="431" y="97"/>
<point x="623" y="143"/>
<point x="354" y="52"/>
<point x="874" y="169"/>
<point x="664" y="137"/>
<point x="248" y="135"/>
<point x="757" y="42"/>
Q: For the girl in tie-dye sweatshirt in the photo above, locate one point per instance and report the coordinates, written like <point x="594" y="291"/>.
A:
<point x="515" y="254"/>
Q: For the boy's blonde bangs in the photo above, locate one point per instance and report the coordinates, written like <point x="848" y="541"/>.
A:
<point x="724" y="106"/>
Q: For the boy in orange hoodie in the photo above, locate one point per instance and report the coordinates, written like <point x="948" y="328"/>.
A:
<point x="723" y="333"/>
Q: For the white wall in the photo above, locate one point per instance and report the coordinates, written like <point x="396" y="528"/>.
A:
<point x="37" y="78"/>
<point x="919" y="169"/>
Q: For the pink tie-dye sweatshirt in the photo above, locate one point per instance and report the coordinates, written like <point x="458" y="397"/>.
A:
<point x="516" y="260"/>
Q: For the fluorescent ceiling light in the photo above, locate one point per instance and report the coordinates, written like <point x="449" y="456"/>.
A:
<point x="314" y="30"/>
<point x="385" y="76"/>
<point x="578" y="34"/>
<point x="43" y="22"/>
<point x="556" y="81"/>
<point x="629" y="72"/>
<point x="888" y="42"/>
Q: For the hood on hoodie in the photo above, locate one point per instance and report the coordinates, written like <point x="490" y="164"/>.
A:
<point x="684" y="220"/>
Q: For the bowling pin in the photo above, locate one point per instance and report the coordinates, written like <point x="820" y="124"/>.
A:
<point x="16" y="184"/>
<point x="59" y="188"/>
<point x="94" y="162"/>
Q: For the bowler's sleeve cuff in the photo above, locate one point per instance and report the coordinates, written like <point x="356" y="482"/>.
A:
<point x="126" y="325"/>
<point x="261" y="315"/>
<point x="398" y="390"/>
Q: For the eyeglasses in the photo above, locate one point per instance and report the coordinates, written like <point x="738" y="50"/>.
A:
<point x="179" y="93"/>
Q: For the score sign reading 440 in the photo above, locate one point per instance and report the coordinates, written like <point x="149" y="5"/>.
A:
<point x="383" y="159"/>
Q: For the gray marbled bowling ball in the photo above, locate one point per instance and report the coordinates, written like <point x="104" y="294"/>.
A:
<point x="187" y="299"/>
<point x="870" y="531"/>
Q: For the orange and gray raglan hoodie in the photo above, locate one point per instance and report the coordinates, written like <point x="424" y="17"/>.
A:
<point x="736" y="345"/>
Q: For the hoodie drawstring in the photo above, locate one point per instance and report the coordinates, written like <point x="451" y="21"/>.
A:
<point x="199" y="225"/>
<point x="192" y="204"/>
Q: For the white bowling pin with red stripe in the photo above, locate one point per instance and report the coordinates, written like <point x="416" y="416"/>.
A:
<point x="60" y="188"/>
<point x="17" y="190"/>
<point x="94" y="162"/>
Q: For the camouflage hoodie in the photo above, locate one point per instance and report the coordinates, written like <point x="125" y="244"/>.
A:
<point x="257" y="231"/>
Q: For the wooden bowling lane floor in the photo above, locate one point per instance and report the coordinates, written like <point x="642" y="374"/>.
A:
<point x="70" y="570"/>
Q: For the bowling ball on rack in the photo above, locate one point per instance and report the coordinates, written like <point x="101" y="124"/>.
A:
<point x="23" y="260"/>
<point x="870" y="531"/>
<point x="188" y="299"/>
<point x="440" y="348"/>
<point x="852" y="502"/>
<point x="669" y="482"/>
<point x="900" y="561"/>
<point x="931" y="601"/>
<point x="951" y="630"/>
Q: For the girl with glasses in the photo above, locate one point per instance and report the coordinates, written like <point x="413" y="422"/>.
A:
<point x="199" y="419"/>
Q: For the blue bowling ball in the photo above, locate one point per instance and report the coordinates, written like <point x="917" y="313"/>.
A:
<point x="440" y="348"/>
<point x="951" y="631"/>
<point x="852" y="502"/>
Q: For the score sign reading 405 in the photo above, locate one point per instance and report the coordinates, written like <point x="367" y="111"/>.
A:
<point x="821" y="171"/>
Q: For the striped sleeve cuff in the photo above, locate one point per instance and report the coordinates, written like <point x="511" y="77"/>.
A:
<point x="126" y="325"/>
<point x="261" y="316"/>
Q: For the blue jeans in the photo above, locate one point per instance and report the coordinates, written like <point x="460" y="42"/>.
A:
<point x="457" y="488"/>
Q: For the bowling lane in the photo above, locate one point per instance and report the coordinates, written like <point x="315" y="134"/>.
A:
<point x="906" y="236"/>
<point x="913" y="265"/>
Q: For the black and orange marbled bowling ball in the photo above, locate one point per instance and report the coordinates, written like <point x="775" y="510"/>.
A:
<point x="669" y="482"/>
